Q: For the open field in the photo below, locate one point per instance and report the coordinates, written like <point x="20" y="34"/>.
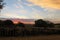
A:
<point x="40" y="37"/>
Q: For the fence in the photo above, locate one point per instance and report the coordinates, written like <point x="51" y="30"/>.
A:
<point x="28" y="31"/>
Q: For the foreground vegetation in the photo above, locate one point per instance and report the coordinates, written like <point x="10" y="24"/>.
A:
<point x="8" y="28"/>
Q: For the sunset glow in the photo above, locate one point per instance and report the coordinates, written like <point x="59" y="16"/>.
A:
<point x="20" y="21"/>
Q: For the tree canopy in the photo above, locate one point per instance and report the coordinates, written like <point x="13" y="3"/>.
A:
<point x="43" y="23"/>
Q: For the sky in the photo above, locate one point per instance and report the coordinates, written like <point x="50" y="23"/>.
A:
<point x="31" y="9"/>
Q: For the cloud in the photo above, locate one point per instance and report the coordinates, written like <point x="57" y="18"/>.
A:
<point x="21" y="17"/>
<point x="24" y="2"/>
<point x="19" y="0"/>
<point x="23" y="11"/>
<point x="8" y="15"/>
<point x="46" y="3"/>
<point x="36" y="15"/>
<point x="16" y="6"/>
<point x="51" y="16"/>
<point x="12" y="15"/>
<point x="29" y="4"/>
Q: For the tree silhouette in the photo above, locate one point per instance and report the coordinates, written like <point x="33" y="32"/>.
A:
<point x="50" y="24"/>
<point x="8" y="23"/>
<point x="20" y="24"/>
<point x="1" y="4"/>
<point x="1" y="23"/>
<point x="40" y="23"/>
<point x="43" y="23"/>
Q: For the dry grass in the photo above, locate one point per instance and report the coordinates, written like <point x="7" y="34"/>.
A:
<point x="41" y="37"/>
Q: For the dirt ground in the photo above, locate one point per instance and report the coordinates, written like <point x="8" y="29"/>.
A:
<point x="40" y="37"/>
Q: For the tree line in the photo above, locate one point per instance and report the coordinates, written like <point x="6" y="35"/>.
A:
<point x="38" y="23"/>
<point x="7" y="26"/>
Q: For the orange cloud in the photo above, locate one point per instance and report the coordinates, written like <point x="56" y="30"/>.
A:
<point x="46" y="3"/>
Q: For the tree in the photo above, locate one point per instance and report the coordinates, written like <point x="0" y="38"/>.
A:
<point x="1" y="5"/>
<point x="20" y="24"/>
<point x="40" y="23"/>
<point x="8" y="23"/>
<point x="1" y="23"/>
<point x="43" y="23"/>
<point x="50" y="24"/>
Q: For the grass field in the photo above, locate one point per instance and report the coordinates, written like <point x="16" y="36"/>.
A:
<point x="40" y="37"/>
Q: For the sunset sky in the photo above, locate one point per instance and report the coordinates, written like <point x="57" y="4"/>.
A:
<point x="31" y="9"/>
